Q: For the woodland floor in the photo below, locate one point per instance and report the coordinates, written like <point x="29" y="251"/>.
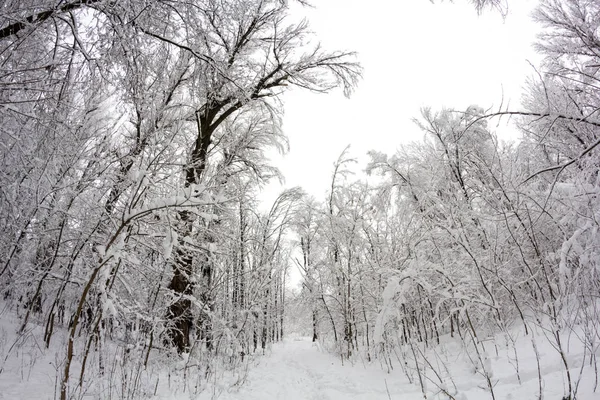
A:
<point x="298" y="369"/>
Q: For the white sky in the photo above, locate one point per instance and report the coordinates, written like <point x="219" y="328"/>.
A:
<point x="414" y="54"/>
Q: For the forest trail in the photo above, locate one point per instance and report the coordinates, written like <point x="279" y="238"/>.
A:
<point x="298" y="370"/>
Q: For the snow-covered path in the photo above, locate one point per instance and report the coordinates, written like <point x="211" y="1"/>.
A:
<point x="298" y="370"/>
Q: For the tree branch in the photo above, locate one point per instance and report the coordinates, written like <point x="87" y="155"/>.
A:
<point x="42" y="16"/>
<point x="562" y="167"/>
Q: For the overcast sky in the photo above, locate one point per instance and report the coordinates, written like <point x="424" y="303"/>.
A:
<point x="414" y="54"/>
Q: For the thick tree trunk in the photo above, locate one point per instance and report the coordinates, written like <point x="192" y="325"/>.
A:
<point x="179" y="313"/>
<point x="205" y="317"/>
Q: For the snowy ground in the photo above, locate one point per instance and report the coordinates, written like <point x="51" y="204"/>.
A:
<point x="297" y="369"/>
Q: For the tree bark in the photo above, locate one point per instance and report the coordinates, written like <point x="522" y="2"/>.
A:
<point x="179" y="313"/>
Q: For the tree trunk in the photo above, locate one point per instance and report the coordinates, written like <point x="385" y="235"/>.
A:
<point x="179" y="313"/>
<point x="281" y="315"/>
<point x="314" y="320"/>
